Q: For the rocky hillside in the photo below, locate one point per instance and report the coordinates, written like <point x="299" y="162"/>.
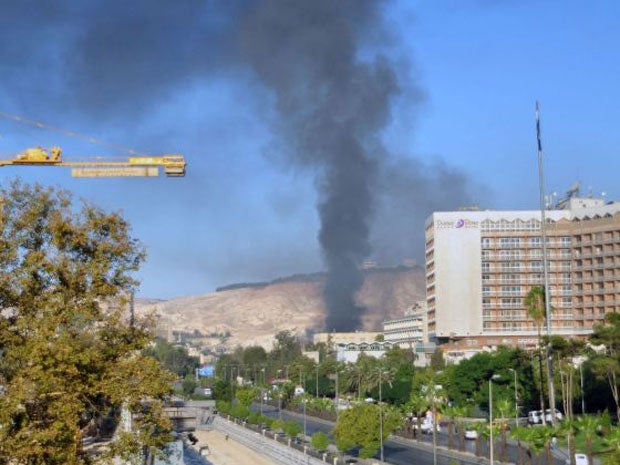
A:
<point x="248" y="314"/>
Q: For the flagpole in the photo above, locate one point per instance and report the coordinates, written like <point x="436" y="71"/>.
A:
<point x="543" y="230"/>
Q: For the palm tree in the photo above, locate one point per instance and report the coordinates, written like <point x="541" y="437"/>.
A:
<point x="611" y="455"/>
<point x="589" y="426"/>
<point x="535" y="441"/>
<point x="535" y="303"/>
<point x="520" y="434"/>
<point x="483" y="431"/>
<point x="504" y="407"/>
<point x="568" y="429"/>
<point x="459" y="413"/>
<point x="418" y="403"/>
<point x="450" y="413"/>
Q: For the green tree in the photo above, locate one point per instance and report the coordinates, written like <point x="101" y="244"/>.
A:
<point x="70" y="355"/>
<point x="611" y="454"/>
<point x="437" y="361"/>
<point x="246" y="395"/>
<point x="607" y="365"/>
<point x="417" y="405"/>
<point x="174" y="358"/>
<point x="588" y="426"/>
<point x="360" y="426"/>
<point x="286" y="348"/>
<point x="189" y="385"/>
<point x="320" y="441"/>
<point x="535" y="304"/>
<point x="292" y="428"/>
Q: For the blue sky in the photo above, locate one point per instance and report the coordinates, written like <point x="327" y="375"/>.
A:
<point x="469" y="75"/>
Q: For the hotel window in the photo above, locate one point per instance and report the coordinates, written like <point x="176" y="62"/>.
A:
<point x="509" y="242"/>
<point x="565" y="241"/>
<point x="486" y="242"/>
<point x="535" y="241"/>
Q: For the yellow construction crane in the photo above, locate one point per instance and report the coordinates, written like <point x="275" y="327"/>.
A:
<point x="173" y="165"/>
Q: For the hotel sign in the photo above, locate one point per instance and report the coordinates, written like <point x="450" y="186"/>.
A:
<point x="461" y="223"/>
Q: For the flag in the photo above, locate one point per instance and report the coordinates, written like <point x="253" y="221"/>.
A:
<point x="538" y="127"/>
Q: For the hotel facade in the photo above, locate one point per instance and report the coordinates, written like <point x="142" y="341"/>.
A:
<point x="480" y="265"/>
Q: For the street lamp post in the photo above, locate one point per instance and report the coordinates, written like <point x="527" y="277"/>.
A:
<point x="317" y="380"/>
<point x="491" y="421"/>
<point x="516" y="398"/>
<point x="336" y="394"/>
<point x="279" y="399"/>
<point x="305" y="430"/>
<point x="380" y="417"/>
<point x="491" y="417"/>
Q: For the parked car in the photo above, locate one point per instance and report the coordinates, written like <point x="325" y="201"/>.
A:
<point x="471" y="434"/>
<point x="558" y="415"/>
<point x="581" y="459"/>
<point x="426" y="427"/>
<point x="534" y="417"/>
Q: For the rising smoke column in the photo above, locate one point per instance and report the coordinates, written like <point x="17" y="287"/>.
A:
<point x="332" y="105"/>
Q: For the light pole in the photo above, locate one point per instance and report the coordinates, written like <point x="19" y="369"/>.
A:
<point x="317" y="380"/>
<point x="491" y="417"/>
<point x="516" y="398"/>
<point x="583" y="401"/>
<point x="380" y="417"/>
<point x="336" y="394"/>
<point x="261" y="393"/>
<point x="279" y="399"/>
<point x="304" y="401"/>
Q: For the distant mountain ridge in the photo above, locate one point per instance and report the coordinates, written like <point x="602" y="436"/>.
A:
<point x="251" y="313"/>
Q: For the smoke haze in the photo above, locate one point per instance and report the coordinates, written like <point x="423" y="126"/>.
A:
<point x="322" y="63"/>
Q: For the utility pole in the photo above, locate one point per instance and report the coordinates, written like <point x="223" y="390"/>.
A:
<point x="543" y="230"/>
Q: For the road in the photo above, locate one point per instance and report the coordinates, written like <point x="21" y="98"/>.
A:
<point x="400" y="451"/>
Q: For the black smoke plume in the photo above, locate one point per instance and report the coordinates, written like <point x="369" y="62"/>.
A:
<point x="115" y="63"/>
<point x="332" y="105"/>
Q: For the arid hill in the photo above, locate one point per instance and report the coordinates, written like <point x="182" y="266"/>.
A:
<point x="251" y="313"/>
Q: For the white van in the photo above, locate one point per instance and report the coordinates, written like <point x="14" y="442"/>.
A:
<point x="534" y="417"/>
<point x="581" y="459"/>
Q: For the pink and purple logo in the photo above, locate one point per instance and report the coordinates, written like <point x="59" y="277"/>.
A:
<point x="460" y="223"/>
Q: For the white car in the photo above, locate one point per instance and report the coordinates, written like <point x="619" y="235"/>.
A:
<point x="558" y="415"/>
<point x="426" y="427"/>
<point x="471" y="434"/>
<point x="581" y="459"/>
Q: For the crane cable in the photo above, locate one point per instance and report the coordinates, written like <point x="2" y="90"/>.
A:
<point x="67" y="132"/>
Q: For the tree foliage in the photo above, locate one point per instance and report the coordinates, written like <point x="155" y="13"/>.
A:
<point x="68" y="356"/>
<point x="174" y="358"/>
<point x="360" y="426"/>
<point x="320" y="441"/>
<point x="607" y="365"/>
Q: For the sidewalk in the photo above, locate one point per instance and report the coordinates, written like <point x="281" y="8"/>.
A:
<point x="228" y="452"/>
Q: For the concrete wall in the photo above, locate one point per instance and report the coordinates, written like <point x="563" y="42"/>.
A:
<point x="263" y="445"/>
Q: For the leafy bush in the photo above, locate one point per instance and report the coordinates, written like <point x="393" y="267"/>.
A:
<point x="223" y="406"/>
<point x="256" y="418"/>
<point x="277" y="425"/>
<point x="240" y="411"/>
<point x="320" y="441"/>
<point x="291" y="428"/>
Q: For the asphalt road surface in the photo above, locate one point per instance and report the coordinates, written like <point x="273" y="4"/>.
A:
<point x="400" y="451"/>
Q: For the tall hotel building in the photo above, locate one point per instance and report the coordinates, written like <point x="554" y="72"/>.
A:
<point x="480" y="266"/>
